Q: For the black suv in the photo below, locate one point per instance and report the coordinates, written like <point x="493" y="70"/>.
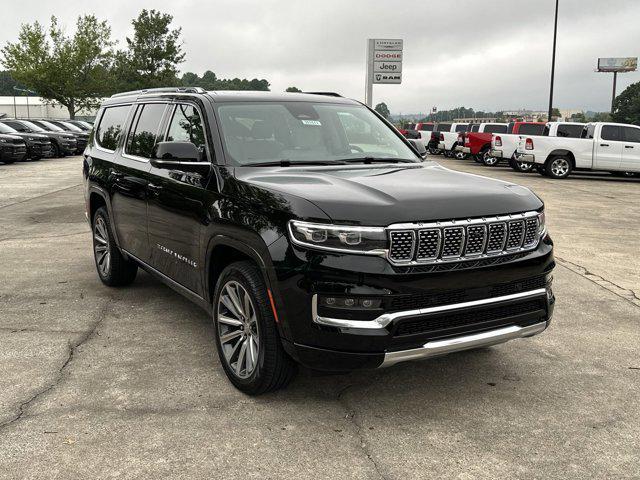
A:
<point x="37" y="145"/>
<point x="311" y="231"/>
<point x="55" y="126"/>
<point x="61" y="143"/>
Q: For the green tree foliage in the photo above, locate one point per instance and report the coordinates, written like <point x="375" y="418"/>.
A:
<point x="152" y="55"/>
<point x="209" y="81"/>
<point x="626" y="106"/>
<point x="70" y="70"/>
<point x="383" y="110"/>
<point x="293" y="90"/>
<point x="7" y="82"/>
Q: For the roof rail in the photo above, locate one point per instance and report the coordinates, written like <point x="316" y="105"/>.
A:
<point x="328" y="94"/>
<point x="161" y="90"/>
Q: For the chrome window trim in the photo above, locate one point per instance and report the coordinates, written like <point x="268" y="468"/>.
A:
<point x="385" y="319"/>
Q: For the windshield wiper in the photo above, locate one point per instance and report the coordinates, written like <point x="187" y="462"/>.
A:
<point x="367" y="160"/>
<point x="289" y="163"/>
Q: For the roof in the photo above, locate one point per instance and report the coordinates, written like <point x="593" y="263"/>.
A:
<point x="228" y="96"/>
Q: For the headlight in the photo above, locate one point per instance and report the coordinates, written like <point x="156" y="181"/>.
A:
<point x="362" y="240"/>
<point x="541" y="224"/>
<point x="31" y="139"/>
<point x="2" y="140"/>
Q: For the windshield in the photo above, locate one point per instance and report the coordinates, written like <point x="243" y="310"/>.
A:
<point x="32" y="126"/>
<point x="50" y="126"/>
<point x="307" y="132"/>
<point x="71" y="127"/>
<point x="7" y="129"/>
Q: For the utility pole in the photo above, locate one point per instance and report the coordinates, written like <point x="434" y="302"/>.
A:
<point x="613" y="97"/>
<point x="553" y="60"/>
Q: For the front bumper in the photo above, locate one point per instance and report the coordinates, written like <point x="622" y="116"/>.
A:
<point x="12" y="152"/>
<point x="39" y="150"/>
<point x="422" y="315"/>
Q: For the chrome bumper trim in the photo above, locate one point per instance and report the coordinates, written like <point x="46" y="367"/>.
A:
<point x="465" y="342"/>
<point x="383" y="320"/>
<point x="496" y="153"/>
<point x="525" y="157"/>
<point x="441" y="146"/>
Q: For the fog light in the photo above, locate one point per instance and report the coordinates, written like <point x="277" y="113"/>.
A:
<point x="330" y="301"/>
<point x="349" y="302"/>
<point x="367" y="303"/>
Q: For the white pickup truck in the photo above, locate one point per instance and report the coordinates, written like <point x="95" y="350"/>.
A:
<point x="504" y="146"/>
<point x="610" y="147"/>
<point x="449" y="138"/>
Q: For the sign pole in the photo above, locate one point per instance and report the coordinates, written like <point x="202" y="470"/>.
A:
<point x="553" y="62"/>
<point x="613" y="97"/>
<point x="368" y="92"/>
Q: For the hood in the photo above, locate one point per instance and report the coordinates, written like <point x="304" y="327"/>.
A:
<point x="35" y="136"/>
<point x="11" y="138"/>
<point x="380" y="195"/>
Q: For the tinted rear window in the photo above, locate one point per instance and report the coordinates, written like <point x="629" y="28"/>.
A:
<point x="461" y="128"/>
<point x="475" y="128"/>
<point x="510" y="127"/>
<point x="531" y="129"/>
<point x="426" y="127"/>
<point x="569" y="131"/>
<point x="444" y="127"/>
<point x="495" y="128"/>
<point x="144" y="131"/>
<point x="610" y="132"/>
<point x="109" y="129"/>
<point x="631" y="134"/>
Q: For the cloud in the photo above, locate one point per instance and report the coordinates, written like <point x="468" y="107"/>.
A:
<point x="486" y="55"/>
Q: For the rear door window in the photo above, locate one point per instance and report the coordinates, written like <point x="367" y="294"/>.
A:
<point x="461" y="128"/>
<point x="109" y="130"/>
<point x="145" y="128"/>
<point x="611" y="132"/>
<point x="631" y="134"/>
<point x="444" y="127"/>
<point x="475" y="128"/>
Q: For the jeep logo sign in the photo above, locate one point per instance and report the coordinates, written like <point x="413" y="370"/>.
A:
<point x="384" y="63"/>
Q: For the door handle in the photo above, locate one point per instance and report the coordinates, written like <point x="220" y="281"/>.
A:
<point x="628" y="146"/>
<point x="604" y="144"/>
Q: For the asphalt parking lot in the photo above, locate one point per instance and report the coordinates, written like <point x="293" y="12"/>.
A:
<point x="105" y="383"/>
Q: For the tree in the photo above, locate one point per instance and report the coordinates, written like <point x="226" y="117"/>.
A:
<point x="153" y="54"/>
<point x="293" y="90"/>
<point x="7" y="82"/>
<point x="626" y="106"/>
<point x="71" y="71"/>
<point x="209" y="81"/>
<point x="555" y="114"/>
<point x="383" y="110"/>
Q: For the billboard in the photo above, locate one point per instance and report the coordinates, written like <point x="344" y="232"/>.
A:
<point x="620" y="64"/>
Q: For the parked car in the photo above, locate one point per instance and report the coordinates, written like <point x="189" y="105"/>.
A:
<point x="38" y="145"/>
<point x="409" y="133"/>
<point x="86" y="126"/>
<point x="448" y="138"/>
<point x="504" y="145"/>
<point x="57" y="126"/>
<point x="610" y="147"/>
<point x="61" y="143"/>
<point x="478" y="142"/>
<point x="563" y="129"/>
<point x="430" y="140"/>
<point x="12" y="148"/>
<point x="311" y="231"/>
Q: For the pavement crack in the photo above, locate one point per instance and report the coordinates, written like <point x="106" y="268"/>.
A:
<point x="60" y="373"/>
<point x="352" y="416"/>
<point x="40" y="196"/>
<point x="625" y="293"/>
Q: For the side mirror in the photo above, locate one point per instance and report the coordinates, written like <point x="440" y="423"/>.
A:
<point x="182" y="156"/>
<point x="419" y="147"/>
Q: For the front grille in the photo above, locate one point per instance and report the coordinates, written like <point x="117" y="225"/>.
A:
<point x="433" y="299"/>
<point x="462" y="240"/>
<point x="469" y="320"/>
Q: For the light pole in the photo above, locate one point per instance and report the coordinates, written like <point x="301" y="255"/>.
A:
<point x="553" y="60"/>
<point x="27" y="92"/>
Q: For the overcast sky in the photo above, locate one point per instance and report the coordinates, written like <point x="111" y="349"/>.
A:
<point x="490" y="55"/>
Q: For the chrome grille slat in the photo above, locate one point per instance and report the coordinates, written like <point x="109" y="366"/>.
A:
<point x="453" y="241"/>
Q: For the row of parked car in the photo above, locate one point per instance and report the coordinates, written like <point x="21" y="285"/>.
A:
<point x="554" y="149"/>
<point x="33" y="139"/>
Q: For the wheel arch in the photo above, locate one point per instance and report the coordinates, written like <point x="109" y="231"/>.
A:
<point x="560" y="152"/>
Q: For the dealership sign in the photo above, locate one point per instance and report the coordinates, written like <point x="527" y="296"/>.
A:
<point x="384" y="64"/>
<point x="620" y="64"/>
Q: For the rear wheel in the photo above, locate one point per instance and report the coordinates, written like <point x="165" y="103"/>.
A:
<point x="246" y="334"/>
<point x="558" y="167"/>
<point x="522" y="167"/>
<point x="460" y="155"/>
<point x="488" y="159"/>
<point x="56" y="150"/>
<point x="113" y="268"/>
<point x="434" y="151"/>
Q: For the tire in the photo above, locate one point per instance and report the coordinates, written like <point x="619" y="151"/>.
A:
<point x="540" y="169"/>
<point x="558" y="167"/>
<point x="56" y="150"/>
<point x="521" y="167"/>
<point x="434" y="151"/>
<point x="113" y="268"/>
<point x="248" y="325"/>
<point x="460" y="155"/>
<point x="7" y="162"/>
<point x="487" y="159"/>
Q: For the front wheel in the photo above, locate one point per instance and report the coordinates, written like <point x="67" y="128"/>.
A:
<point x="113" y="268"/>
<point x="246" y="334"/>
<point x="558" y="167"/>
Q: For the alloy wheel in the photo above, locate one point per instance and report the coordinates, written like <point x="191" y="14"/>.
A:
<point x="238" y="329"/>
<point x="101" y="248"/>
<point x="524" y="167"/>
<point x="560" y="167"/>
<point x="489" y="160"/>
<point x="460" y="155"/>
